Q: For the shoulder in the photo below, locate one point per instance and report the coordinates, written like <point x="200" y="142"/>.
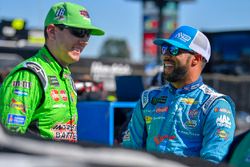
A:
<point x="152" y="92"/>
<point x="30" y="67"/>
<point x="215" y="99"/>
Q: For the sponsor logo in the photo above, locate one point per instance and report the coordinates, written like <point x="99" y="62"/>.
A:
<point x="183" y="37"/>
<point x="222" y="134"/>
<point x="158" y="118"/>
<point x="161" y="109"/>
<point x="63" y="95"/>
<point x="148" y="111"/>
<point x="84" y="13"/>
<point x="66" y="131"/>
<point x="59" y="106"/>
<point x="54" y="94"/>
<point x="191" y="123"/>
<point x="72" y="97"/>
<point x="189" y="101"/>
<point x="195" y="86"/>
<point x="53" y="81"/>
<point x="16" y="119"/>
<point x="189" y="133"/>
<point x="17" y="105"/>
<point x="224" y="110"/>
<point x="23" y="84"/>
<point x="223" y="121"/>
<point x="158" y="139"/>
<point x="193" y="113"/>
<point x="64" y="135"/>
<point x="155" y="100"/>
<point x="60" y="14"/>
<point x="148" y="119"/>
<point x="20" y="93"/>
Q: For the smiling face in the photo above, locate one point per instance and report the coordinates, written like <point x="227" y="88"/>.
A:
<point x="176" y="67"/>
<point x="65" y="46"/>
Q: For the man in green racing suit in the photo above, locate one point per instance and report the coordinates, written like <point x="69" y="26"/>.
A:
<point x="38" y="95"/>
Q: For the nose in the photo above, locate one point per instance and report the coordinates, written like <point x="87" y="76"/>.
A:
<point x="83" y="42"/>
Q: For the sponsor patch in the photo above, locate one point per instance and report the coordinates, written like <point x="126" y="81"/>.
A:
<point x="23" y="84"/>
<point x="54" y="94"/>
<point x="183" y="37"/>
<point x="158" y="139"/>
<point x="191" y="123"/>
<point x="161" y="109"/>
<point x="84" y="13"/>
<point x="20" y="92"/>
<point x="223" y="121"/>
<point x="60" y="14"/>
<point x="63" y="95"/>
<point x="67" y="131"/>
<point x="16" y="119"/>
<point x="193" y="113"/>
<point x="17" y="105"/>
<point x="224" y="110"/>
<point x="222" y="134"/>
<point x="72" y="97"/>
<point x="148" y="119"/>
<point x="155" y="100"/>
<point x="59" y="106"/>
<point x="53" y="81"/>
<point x="189" y="101"/>
<point x="189" y="133"/>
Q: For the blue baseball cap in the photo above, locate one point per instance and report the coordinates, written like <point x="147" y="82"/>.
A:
<point x="188" y="38"/>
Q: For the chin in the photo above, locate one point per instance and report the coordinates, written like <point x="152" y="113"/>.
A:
<point x="75" y="57"/>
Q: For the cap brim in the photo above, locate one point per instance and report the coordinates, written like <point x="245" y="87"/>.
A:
<point x="161" y="41"/>
<point x="94" y="30"/>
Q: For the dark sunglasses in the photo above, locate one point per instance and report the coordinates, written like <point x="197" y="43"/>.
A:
<point x="173" y="50"/>
<point x="77" y="32"/>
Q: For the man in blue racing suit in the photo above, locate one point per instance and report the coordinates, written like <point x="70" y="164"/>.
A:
<point x="185" y="117"/>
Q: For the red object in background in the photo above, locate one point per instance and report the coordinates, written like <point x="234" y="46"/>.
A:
<point x="149" y="49"/>
<point x="88" y="86"/>
<point x="89" y="90"/>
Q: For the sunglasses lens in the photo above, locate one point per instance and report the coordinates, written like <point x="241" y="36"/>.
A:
<point x="80" y="32"/>
<point x="77" y="32"/>
<point x="164" y="50"/>
<point x="173" y="50"/>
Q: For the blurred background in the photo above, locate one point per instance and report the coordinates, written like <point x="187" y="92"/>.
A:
<point x="127" y="49"/>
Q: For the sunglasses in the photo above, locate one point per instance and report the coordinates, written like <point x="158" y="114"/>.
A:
<point x="173" y="50"/>
<point x="77" y="32"/>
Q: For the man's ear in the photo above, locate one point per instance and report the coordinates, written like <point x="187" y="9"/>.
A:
<point x="51" y="31"/>
<point x="197" y="58"/>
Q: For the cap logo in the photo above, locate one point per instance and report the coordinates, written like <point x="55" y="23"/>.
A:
<point x="60" y="14"/>
<point x="84" y="13"/>
<point x="183" y="37"/>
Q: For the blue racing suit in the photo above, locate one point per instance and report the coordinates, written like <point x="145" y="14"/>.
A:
<point x="191" y="121"/>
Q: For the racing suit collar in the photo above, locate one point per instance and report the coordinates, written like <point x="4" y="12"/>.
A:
<point x="48" y="56"/>
<point x="187" y="88"/>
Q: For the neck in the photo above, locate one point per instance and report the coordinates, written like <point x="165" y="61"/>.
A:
<point x="53" y="54"/>
<point x="190" y="77"/>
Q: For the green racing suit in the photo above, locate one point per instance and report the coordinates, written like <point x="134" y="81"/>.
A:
<point x="38" y="96"/>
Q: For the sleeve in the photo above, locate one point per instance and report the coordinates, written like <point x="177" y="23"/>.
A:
<point x="218" y="130"/>
<point x="20" y="95"/>
<point x="135" y="135"/>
